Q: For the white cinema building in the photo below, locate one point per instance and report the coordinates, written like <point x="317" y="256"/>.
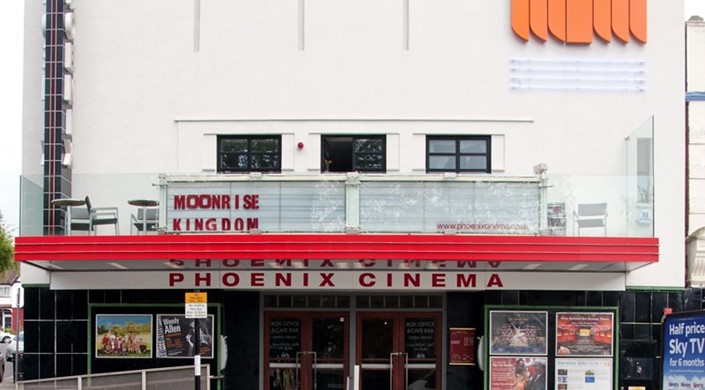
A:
<point x="372" y="194"/>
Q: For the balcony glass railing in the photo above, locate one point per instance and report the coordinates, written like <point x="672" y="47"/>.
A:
<point x="333" y="203"/>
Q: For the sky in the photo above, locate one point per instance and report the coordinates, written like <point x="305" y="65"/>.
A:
<point x="11" y="113"/>
<point x="11" y="105"/>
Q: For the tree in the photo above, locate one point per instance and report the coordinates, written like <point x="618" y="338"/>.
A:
<point x="7" y="250"/>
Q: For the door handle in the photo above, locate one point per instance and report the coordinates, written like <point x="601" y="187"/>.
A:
<point x="391" y="368"/>
<point x="315" y="368"/>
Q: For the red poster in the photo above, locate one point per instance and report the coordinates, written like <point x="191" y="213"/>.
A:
<point x="584" y="334"/>
<point x="462" y="346"/>
<point x="518" y="373"/>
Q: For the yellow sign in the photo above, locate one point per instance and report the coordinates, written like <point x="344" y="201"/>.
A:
<point x="197" y="297"/>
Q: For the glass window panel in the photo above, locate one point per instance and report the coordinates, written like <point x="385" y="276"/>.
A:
<point x="314" y="301"/>
<point x="328" y="338"/>
<point x="377" y="339"/>
<point x="300" y="206"/>
<point x="270" y="301"/>
<point x="265" y="145"/>
<point x="422" y="379"/>
<point x="233" y="145"/>
<point x="343" y="301"/>
<point x="421" y="302"/>
<point x="330" y="379"/>
<point x="284" y="301"/>
<point x="465" y="153"/>
<point x="363" y="302"/>
<point x="441" y="146"/>
<point x="420" y="338"/>
<point x="368" y="145"/>
<point x="233" y="162"/>
<point x="299" y="301"/>
<point x="369" y="162"/>
<point x="328" y="301"/>
<point x="441" y="162"/>
<point x="473" y="146"/>
<point x="377" y="301"/>
<point x="436" y="301"/>
<point x="392" y="301"/>
<point x="473" y="163"/>
<point x="264" y="161"/>
<point x="391" y="207"/>
<point x="249" y="153"/>
<point x="284" y="338"/>
<point x="375" y="380"/>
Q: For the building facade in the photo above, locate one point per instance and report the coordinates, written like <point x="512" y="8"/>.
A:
<point x="371" y="195"/>
<point x="11" y="302"/>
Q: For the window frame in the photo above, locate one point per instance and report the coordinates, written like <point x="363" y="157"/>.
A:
<point x="249" y="139"/>
<point x="457" y="154"/>
<point x="354" y="154"/>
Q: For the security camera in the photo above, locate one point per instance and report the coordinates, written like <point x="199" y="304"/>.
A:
<point x="540" y="169"/>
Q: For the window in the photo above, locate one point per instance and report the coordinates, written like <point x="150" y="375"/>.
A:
<point x="4" y="291"/>
<point x="458" y="154"/>
<point x="360" y="153"/>
<point x="249" y="153"/>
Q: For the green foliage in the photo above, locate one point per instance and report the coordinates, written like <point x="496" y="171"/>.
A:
<point x="7" y="249"/>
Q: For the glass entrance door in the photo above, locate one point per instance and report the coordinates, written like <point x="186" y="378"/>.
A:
<point x="399" y="351"/>
<point x="305" y="351"/>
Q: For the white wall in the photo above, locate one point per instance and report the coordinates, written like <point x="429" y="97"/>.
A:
<point x="147" y="102"/>
<point x="695" y="32"/>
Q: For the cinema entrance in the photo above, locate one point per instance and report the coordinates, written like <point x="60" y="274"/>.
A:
<point x="314" y="342"/>
<point x="306" y="350"/>
<point x="399" y="351"/>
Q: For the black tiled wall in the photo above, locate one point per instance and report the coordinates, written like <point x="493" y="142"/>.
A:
<point x="56" y="325"/>
<point x="640" y="315"/>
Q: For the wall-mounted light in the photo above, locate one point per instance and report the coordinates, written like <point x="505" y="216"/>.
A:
<point x="41" y="162"/>
<point x="68" y="88"/>
<point x="69" y="25"/>
<point x="68" y="123"/>
<point x="67" y="158"/>
<point x="68" y="56"/>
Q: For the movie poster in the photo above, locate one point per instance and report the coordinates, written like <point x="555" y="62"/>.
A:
<point x="123" y="336"/>
<point x="584" y="334"/>
<point x="518" y="373"/>
<point x="176" y="336"/>
<point x="518" y="332"/>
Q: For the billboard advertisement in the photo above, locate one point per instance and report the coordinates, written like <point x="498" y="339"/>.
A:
<point x="683" y="351"/>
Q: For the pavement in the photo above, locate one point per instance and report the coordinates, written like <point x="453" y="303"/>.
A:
<point x="8" y="378"/>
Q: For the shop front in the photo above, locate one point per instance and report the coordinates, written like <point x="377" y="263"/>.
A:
<point x="382" y="322"/>
<point x="317" y="285"/>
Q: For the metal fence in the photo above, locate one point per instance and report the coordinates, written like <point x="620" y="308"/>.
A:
<point x="171" y="378"/>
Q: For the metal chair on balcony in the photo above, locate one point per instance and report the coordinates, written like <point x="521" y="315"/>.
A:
<point x="590" y="215"/>
<point x="88" y="218"/>
<point x="146" y="220"/>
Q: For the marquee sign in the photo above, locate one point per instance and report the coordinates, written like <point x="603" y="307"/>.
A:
<point x="241" y="207"/>
<point x="336" y="280"/>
